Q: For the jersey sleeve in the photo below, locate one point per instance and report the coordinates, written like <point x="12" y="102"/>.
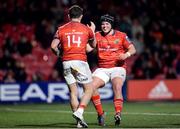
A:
<point x="126" y="41"/>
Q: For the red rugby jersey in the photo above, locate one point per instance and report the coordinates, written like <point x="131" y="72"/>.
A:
<point x="73" y="38"/>
<point x="109" y="47"/>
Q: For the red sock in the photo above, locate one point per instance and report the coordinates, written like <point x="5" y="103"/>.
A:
<point x="97" y="103"/>
<point x="82" y="106"/>
<point x="118" y="105"/>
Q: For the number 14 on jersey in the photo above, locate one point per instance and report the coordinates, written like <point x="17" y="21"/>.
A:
<point x="74" y="39"/>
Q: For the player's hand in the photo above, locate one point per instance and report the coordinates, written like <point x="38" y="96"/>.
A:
<point x="92" y="26"/>
<point x="56" y="51"/>
<point x="123" y="56"/>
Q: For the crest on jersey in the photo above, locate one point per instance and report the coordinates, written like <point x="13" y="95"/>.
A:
<point x="116" y="41"/>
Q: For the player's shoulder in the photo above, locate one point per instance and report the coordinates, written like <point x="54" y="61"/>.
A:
<point x="85" y="27"/>
<point x="120" y="33"/>
<point x="98" y="33"/>
<point x="81" y="24"/>
<point x="63" y="26"/>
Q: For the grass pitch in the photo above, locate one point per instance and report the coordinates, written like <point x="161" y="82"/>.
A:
<point x="134" y="115"/>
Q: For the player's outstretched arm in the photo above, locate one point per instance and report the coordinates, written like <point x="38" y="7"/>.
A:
<point x="92" y="42"/>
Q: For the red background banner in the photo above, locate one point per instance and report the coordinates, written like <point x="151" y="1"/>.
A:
<point x="143" y="90"/>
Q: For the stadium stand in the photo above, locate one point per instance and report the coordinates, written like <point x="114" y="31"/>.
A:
<point x="27" y="27"/>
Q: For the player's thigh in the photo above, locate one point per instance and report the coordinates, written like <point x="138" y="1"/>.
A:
<point x="100" y="78"/>
<point x="83" y="72"/>
<point x="69" y="77"/>
<point x="118" y="76"/>
<point x="118" y="72"/>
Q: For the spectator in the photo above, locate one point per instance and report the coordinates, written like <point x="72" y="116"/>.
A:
<point x="19" y="71"/>
<point x="24" y="47"/>
<point x="9" y="77"/>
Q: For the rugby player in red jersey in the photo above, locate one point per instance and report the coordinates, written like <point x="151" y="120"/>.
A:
<point x="113" y="48"/>
<point x="71" y="40"/>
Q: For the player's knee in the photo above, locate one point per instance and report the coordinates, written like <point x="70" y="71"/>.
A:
<point x="88" y="88"/>
<point x="95" y="92"/>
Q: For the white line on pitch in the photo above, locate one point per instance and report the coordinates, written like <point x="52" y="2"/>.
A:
<point x="87" y="112"/>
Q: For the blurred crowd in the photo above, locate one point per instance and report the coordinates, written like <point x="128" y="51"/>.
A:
<point x="27" y="28"/>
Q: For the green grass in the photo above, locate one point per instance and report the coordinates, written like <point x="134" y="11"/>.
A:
<point x="135" y="115"/>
